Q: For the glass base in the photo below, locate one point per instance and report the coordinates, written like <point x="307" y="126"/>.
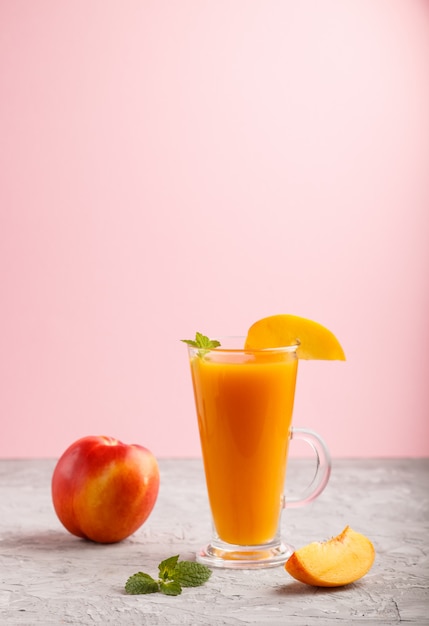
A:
<point x="220" y="554"/>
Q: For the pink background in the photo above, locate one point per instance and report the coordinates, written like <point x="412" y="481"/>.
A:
<point x="173" y="166"/>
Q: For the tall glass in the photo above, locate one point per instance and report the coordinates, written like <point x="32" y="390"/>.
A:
<point x="244" y="402"/>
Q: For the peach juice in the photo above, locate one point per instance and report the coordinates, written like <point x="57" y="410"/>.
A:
<point x="244" y="402"/>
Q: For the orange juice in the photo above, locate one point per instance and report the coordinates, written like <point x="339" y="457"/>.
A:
<point x="244" y="402"/>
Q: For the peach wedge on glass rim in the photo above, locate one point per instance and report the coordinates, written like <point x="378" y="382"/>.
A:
<point x="333" y="563"/>
<point x="277" y="331"/>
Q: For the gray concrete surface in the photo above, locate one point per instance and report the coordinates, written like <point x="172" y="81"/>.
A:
<point x="47" y="576"/>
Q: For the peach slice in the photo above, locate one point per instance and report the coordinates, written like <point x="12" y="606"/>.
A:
<point x="276" y="331"/>
<point x="333" y="563"/>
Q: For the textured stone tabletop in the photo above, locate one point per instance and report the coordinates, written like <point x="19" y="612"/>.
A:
<point x="51" y="577"/>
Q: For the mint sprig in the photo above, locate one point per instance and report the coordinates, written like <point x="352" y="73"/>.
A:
<point x="173" y="575"/>
<point x="141" y="583"/>
<point x="203" y="343"/>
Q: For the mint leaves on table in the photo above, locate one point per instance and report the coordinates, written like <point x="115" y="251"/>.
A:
<point x="173" y="575"/>
<point x="202" y="342"/>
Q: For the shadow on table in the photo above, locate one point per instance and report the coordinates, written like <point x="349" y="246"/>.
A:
<point x="297" y="589"/>
<point x="42" y="544"/>
<point x="47" y="540"/>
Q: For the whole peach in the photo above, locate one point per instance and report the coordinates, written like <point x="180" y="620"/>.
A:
<point x="103" y="489"/>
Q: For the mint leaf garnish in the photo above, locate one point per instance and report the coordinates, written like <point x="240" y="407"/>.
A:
<point x="173" y="575"/>
<point x="166" y="567"/>
<point x="170" y="588"/>
<point x="202" y="342"/>
<point x="141" y="583"/>
<point x="190" y="574"/>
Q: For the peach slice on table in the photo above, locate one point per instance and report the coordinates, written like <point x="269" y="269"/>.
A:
<point x="333" y="563"/>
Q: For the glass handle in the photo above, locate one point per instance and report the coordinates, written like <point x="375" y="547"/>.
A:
<point x="323" y="467"/>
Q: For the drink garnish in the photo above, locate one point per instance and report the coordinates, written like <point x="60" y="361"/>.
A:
<point x="203" y="343"/>
<point x="276" y="331"/>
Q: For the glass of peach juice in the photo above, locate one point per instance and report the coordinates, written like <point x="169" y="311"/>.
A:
<point x="244" y="403"/>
